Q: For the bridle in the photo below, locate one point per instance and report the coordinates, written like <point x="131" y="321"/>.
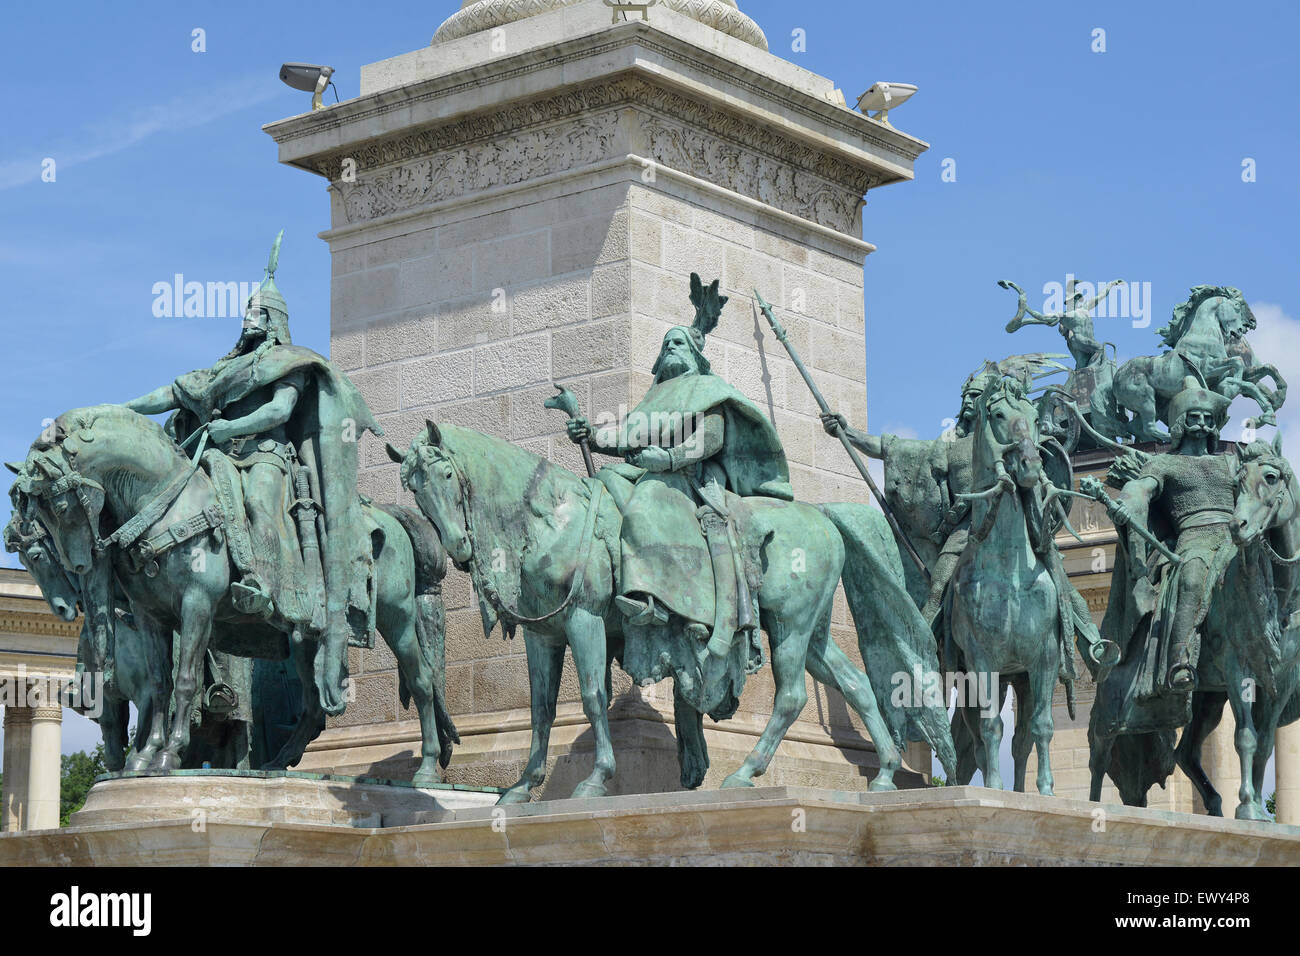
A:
<point x="511" y="616"/>
<point x="1274" y="506"/>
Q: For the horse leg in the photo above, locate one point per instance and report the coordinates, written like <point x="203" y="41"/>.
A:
<point x="1207" y="711"/>
<point x="990" y="733"/>
<point x="1038" y="703"/>
<point x="1022" y="741"/>
<point x="586" y="634"/>
<point x="152" y="733"/>
<point x="395" y="619"/>
<point x="789" y="658"/>
<point x="195" y="630"/>
<point x="113" y="723"/>
<point x="311" y="716"/>
<point x="1098" y="761"/>
<point x="692" y="749"/>
<point x="545" y="663"/>
<point x="832" y="667"/>
<point x="1246" y="741"/>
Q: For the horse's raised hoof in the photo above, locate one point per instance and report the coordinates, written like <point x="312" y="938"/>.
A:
<point x="1251" y="811"/>
<point x="589" y="788"/>
<point x="513" y="795"/>
<point x="736" y="780"/>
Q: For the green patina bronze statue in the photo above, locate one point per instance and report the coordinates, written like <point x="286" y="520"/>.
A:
<point x="671" y="560"/>
<point x="259" y="547"/>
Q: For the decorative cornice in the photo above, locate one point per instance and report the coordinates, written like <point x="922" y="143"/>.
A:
<point x="853" y="125"/>
<point x="524" y="141"/>
<point x="479" y="15"/>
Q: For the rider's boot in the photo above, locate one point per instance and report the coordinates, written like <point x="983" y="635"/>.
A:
<point x="641" y="612"/>
<point x="250" y="597"/>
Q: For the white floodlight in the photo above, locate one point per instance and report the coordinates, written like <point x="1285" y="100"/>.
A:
<point x="884" y="97"/>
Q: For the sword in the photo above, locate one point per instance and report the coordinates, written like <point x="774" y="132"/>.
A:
<point x="781" y="336"/>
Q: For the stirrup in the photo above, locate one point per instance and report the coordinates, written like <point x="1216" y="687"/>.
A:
<point x="1181" y="676"/>
<point x="1104" y="652"/>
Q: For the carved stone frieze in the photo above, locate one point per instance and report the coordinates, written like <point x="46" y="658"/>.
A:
<point x="525" y="141"/>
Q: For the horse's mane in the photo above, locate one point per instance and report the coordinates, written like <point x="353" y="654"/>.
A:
<point x="1200" y="294"/>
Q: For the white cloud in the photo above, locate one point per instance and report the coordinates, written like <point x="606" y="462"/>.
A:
<point x="1276" y="341"/>
<point x="126" y="129"/>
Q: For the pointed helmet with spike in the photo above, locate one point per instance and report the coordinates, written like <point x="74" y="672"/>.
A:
<point x="266" y="305"/>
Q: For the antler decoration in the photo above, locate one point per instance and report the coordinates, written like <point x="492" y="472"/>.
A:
<point x="708" y="305"/>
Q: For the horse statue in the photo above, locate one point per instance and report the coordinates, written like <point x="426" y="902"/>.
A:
<point x="542" y="548"/>
<point x="1007" y="612"/>
<point x="1249" y="657"/>
<point x="106" y="466"/>
<point x="1206" y="339"/>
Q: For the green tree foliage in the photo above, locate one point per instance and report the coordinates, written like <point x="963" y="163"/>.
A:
<point x="79" y="771"/>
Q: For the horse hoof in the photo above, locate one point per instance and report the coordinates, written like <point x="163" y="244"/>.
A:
<point x="881" y="786"/>
<point x="586" y="789"/>
<point x="512" y="796"/>
<point x="426" y="778"/>
<point x="1251" y="811"/>
<point x="165" y="762"/>
<point x="736" y="780"/>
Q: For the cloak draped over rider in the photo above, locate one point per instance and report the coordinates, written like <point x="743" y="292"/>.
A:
<point x="664" y="553"/>
<point x="325" y="431"/>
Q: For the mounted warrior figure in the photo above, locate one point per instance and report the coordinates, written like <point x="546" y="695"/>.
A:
<point x="926" y="484"/>
<point x="1189" y="494"/>
<point x="286" y="428"/>
<point x="693" y="448"/>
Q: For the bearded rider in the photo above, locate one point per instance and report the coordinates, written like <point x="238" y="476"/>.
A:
<point x="1193" y="491"/>
<point x="290" y="425"/>
<point x="692" y="438"/>
<point x="923" y="480"/>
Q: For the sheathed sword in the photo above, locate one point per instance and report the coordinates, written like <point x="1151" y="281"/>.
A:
<point x="783" y="338"/>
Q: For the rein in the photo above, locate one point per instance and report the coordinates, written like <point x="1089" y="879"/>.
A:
<point x="1274" y="506"/>
<point x="134" y="528"/>
<point x="507" y="614"/>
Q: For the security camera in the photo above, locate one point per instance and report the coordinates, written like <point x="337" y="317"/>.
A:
<point x="884" y="97"/>
<point x="311" y="78"/>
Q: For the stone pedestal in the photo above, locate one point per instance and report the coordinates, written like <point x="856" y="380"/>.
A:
<point x="205" y="796"/>
<point x="522" y="203"/>
<point x="942" y="826"/>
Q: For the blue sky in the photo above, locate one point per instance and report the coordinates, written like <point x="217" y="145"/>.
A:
<point x="1125" y="164"/>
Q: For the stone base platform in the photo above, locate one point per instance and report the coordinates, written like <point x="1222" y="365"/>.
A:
<point x="272" y="797"/>
<point x="763" y="826"/>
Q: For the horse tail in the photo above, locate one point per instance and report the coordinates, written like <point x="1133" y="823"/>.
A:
<point x="892" y="636"/>
<point x="430" y="618"/>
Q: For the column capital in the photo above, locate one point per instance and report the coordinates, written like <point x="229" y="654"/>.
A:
<point x="17" y="716"/>
<point x="46" y="713"/>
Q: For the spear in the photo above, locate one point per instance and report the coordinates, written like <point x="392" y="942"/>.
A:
<point x="781" y="336"/>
